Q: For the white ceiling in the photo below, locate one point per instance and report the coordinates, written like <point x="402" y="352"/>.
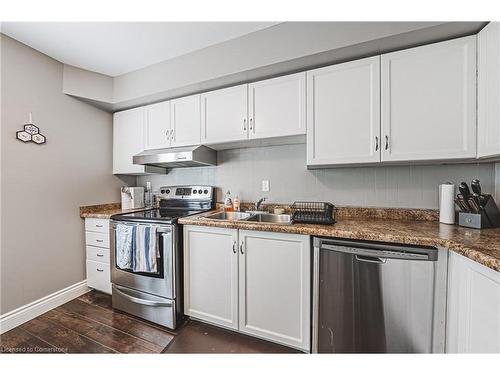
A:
<point x="115" y="48"/>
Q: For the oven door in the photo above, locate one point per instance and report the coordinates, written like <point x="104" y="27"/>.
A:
<point x="160" y="283"/>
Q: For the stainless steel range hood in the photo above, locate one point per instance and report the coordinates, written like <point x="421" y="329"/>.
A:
<point x="179" y="157"/>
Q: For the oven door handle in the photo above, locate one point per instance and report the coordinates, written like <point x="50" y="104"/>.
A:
<point x="140" y="300"/>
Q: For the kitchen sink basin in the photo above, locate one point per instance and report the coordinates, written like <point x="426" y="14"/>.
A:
<point x="271" y="218"/>
<point x="229" y="216"/>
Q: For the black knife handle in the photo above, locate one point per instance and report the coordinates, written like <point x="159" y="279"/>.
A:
<point x="476" y="186"/>
<point x="464" y="189"/>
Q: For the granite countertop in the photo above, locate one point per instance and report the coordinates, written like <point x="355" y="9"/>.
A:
<point x="408" y="226"/>
<point x="482" y="246"/>
<point x="104" y="211"/>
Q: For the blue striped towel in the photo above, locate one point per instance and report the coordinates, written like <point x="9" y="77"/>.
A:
<point x="145" y="251"/>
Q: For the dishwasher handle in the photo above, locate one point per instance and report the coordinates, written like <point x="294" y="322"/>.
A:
<point x="378" y="250"/>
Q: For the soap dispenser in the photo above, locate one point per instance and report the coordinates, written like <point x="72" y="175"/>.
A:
<point x="228" y="202"/>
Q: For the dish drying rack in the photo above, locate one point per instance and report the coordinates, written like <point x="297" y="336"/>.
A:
<point x="313" y="213"/>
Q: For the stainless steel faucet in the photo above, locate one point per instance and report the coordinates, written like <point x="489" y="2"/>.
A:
<point x="259" y="202"/>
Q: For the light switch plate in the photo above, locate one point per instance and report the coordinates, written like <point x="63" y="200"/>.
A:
<point x="265" y="185"/>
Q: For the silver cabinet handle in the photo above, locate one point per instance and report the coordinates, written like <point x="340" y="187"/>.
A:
<point x="98" y="240"/>
<point x="251" y="125"/>
<point x="241" y="248"/>
<point x="245" y="124"/>
<point x="99" y="270"/>
<point x="98" y="226"/>
<point x="234" y="247"/>
<point x="172" y="134"/>
<point x="376" y="143"/>
<point x="100" y="255"/>
<point x="167" y="133"/>
<point x="386" y="142"/>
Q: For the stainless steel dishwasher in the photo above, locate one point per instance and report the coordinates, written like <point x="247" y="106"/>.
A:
<point x="375" y="297"/>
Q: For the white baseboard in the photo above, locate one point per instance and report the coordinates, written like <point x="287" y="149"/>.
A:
<point x="31" y="310"/>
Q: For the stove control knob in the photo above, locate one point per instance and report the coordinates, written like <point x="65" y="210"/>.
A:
<point x="167" y="191"/>
<point x="205" y="191"/>
<point x="194" y="191"/>
<point x="199" y="191"/>
<point x="162" y="191"/>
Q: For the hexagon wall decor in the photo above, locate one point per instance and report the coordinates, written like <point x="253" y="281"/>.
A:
<point x="31" y="133"/>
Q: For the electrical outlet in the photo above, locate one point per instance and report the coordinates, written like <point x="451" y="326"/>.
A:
<point x="265" y="185"/>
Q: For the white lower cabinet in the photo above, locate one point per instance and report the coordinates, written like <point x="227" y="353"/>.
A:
<point x="473" y="307"/>
<point x="97" y="247"/>
<point x="274" y="287"/>
<point x="211" y="275"/>
<point x="99" y="276"/>
<point x="254" y="282"/>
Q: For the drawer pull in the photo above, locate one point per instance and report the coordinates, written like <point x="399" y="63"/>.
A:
<point x="140" y="300"/>
<point x="98" y="225"/>
<point x="100" y="255"/>
<point x="99" y="270"/>
<point x="99" y="240"/>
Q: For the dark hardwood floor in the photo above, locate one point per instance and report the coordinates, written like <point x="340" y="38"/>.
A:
<point x="88" y="324"/>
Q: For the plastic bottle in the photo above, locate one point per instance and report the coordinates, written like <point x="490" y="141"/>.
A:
<point x="148" y="195"/>
<point x="228" y="202"/>
<point x="236" y="203"/>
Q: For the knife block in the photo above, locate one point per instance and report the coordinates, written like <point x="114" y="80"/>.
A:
<point x="488" y="217"/>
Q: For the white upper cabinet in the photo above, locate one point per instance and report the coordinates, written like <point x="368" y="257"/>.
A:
<point x="224" y="115"/>
<point x="185" y="121"/>
<point x="488" y="121"/>
<point x="128" y="140"/>
<point x="429" y="102"/>
<point x="343" y="113"/>
<point x="157" y="126"/>
<point x="277" y="107"/>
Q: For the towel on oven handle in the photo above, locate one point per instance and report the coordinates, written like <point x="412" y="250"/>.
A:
<point x="125" y="235"/>
<point x="145" y="251"/>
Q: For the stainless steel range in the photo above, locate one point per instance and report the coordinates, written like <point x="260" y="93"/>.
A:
<point x="156" y="294"/>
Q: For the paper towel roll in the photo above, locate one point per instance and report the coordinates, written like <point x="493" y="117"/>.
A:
<point x="446" y="203"/>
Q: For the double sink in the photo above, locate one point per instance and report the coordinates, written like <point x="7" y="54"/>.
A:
<point x="259" y="217"/>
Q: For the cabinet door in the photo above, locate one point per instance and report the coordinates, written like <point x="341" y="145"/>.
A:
<point x="277" y="107"/>
<point x="128" y="140"/>
<point x="157" y="128"/>
<point x="488" y="101"/>
<point x="275" y="287"/>
<point x="225" y="115"/>
<point x="473" y="311"/>
<point x="343" y="113"/>
<point x="211" y="275"/>
<point x="429" y="102"/>
<point x="186" y="121"/>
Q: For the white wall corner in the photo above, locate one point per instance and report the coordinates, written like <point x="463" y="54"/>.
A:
<point x="86" y="84"/>
<point x="31" y="310"/>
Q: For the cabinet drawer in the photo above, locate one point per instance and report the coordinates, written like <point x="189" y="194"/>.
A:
<point x="98" y="254"/>
<point x="97" y="239"/>
<point x="97" y="225"/>
<point x="98" y="276"/>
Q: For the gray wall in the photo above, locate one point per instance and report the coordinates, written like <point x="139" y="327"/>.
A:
<point x="497" y="183"/>
<point x="42" y="187"/>
<point x="242" y="170"/>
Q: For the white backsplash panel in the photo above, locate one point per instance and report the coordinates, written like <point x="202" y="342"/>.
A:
<point x="242" y="170"/>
